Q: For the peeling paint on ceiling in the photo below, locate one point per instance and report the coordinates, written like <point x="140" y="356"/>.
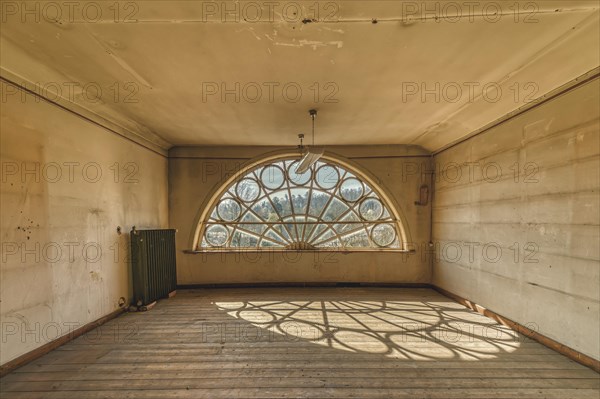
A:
<point x="193" y="75"/>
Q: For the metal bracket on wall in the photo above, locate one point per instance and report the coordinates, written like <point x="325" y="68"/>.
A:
<point x="423" y="195"/>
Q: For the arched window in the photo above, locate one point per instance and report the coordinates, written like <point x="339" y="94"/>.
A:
<point x="270" y="206"/>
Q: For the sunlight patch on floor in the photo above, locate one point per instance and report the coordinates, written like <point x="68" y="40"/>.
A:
<point x="398" y="330"/>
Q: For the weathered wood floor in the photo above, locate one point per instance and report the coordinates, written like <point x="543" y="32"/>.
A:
<point x="303" y="343"/>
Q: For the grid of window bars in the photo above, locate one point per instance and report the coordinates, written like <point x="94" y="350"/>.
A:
<point x="327" y="207"/>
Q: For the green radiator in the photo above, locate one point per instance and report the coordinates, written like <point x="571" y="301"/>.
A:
<point x="153" y="265"/>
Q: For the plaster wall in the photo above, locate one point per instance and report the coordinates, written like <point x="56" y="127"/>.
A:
<point x="66" y="186"/>
<point x="516" y="219"/>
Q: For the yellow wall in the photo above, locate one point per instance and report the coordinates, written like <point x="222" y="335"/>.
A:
<point x="526" y="245"/>
<point x="63" y="263"/>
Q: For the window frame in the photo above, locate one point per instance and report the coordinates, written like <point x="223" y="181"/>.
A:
<point x="203" y="217"/>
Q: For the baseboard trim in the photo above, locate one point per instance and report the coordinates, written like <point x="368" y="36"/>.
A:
<point x="50" y="346"/>
<point x="513" y="325"/>
<point x="301" y="285"/>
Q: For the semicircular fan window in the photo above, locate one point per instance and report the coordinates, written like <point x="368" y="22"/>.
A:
<point x="327" y="207"/>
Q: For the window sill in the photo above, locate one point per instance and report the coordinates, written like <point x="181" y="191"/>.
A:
<point x="342" y="251"/>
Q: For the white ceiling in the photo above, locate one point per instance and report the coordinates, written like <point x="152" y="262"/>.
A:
<point x="175" y="49"/>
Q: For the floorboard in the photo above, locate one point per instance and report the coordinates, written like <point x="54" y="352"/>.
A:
<point x="303" y="343"/>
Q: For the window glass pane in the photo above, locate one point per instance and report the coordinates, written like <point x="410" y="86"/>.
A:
<point x="327" y="177"/>
<point x="264" y="209"/>
<point x="272" y="177"/>
<point x="252" y="224"/>
<point x="371" y="209"/>
<point x="383" y="234"/>
<point x="335" y="210"/>
<point x="359" y="239"/>
<point x="350" y="217"/>
<point x="298" y="179"/>
<point x="243" y="240"/>
<point x="281" y="202"/>
<point x="274" y="235"/>
<point x="330" y="244"/>
<point x="316" y="231"/>
<point x="216" y="235"/>
<point x="325" y="236"/>
<point x="247" y="190"/>
<point x="351" y="189"/>
<point x="282" y="231"/>
<point x="229" y="210"/>
<point x="300" y="200"/>
<point x="318" y="201"/>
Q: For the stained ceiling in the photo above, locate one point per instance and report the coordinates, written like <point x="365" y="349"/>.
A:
<point x="246" y="73"/>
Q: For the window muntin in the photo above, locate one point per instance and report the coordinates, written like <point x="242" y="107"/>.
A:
<point x="273" y="207"/>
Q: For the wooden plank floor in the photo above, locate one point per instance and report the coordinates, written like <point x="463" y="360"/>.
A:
<point x="303" y="343"/>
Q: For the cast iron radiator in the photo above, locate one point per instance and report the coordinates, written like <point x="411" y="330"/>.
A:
<point x="152" y="265"/>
